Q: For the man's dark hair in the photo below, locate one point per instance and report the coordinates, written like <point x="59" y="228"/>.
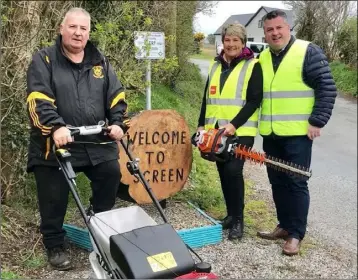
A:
<point x="274" y="14"/>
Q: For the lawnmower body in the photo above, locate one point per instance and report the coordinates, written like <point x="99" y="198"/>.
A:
<point x="140" y="247"/>
<point x="110" y="223"/>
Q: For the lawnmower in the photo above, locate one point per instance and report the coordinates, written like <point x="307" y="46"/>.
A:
<point x="127" y="243"/>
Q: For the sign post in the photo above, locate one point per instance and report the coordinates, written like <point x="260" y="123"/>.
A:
<point x="151" y="45"/>
<point x="148" y="91"/>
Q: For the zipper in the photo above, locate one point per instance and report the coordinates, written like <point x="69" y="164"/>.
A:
<point x="274" y="75"/>
<point x="271" y="102"/>
<point x="78" y="92"/>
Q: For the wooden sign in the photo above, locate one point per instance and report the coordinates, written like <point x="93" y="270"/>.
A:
<point x="161" y="140"/>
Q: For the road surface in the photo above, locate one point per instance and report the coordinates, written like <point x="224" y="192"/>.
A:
<point x="333" y="185"/>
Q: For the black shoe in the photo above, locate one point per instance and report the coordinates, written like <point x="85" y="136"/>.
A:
<point x="226" y="222"/>
<point x="237" y="230"/>
<point x="58" y="258"/>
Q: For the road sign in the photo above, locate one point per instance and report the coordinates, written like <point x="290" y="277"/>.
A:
<point x="154" y="40"/>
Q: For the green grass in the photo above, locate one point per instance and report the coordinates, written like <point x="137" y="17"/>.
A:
<point x="207" y="53"/>
<point x="7" y="274"/>
<point x="345" y="78"/>
<point x="34" y="260"/>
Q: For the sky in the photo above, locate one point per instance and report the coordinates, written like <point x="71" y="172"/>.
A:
<point x="224" y="9"/>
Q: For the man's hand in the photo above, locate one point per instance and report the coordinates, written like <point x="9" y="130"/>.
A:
<point x="62" y="136"/>
<point x="313" y="132"/>
<point x="229" y="129"/>
<point x="115" y="132"/>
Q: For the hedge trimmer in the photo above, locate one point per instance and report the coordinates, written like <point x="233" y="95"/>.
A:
<point x="215" y="146"/>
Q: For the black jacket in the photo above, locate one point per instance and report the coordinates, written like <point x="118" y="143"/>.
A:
<point x="254" y="92"/>
<point x="60" y="92"/>
<point x="317" y="75"/>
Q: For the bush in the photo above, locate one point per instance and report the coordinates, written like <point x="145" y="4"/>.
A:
<point x="189" y="83"/>
<point x="345" y="78"/>
<point x="347" y="42"/>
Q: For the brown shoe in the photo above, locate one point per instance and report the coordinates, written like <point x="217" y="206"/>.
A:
<point x="278" y="233"/>
<point x="291" y="246"/>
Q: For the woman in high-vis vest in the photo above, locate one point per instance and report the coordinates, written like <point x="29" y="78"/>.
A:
<point x="232" y="96"/>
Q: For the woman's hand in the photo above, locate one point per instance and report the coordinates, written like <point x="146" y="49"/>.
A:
<point x="229" y="129"/>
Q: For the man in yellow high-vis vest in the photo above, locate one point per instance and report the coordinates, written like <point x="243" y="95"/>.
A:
<point x="299" y="95"/>
<point x="231" y="100"/>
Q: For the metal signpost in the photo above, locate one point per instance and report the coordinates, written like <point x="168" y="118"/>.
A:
<point x="151" y="45"/>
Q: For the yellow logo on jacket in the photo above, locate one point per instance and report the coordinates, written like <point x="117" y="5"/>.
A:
<point x="97" y="72"/>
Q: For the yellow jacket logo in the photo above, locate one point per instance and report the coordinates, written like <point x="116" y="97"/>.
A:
<point x="97" y="72"/>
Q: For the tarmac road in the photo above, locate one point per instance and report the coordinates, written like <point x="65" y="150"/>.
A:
<point x="333" y="185"/>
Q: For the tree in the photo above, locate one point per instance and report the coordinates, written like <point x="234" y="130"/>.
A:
<point x="211" y="39"/>
<point x="320" y="22"/>
<point x="206" y="7"/>
<point x="347" y="41"/>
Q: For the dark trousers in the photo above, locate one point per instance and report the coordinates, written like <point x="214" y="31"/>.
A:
<point x="232" y="182"/>
<point x="53" y="191"/>
<point x="290" y="192"/>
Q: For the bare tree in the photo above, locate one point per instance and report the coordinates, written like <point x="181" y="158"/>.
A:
<point x="320" y="22"/>
<point x="206" y="7"/>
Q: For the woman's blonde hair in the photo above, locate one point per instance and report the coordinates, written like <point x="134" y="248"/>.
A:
<point x="234" y="29"/>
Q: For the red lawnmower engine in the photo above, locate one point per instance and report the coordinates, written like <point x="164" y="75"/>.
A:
<point x="198" y="275"/>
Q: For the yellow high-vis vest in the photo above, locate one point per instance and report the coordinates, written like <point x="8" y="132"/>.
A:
<point x="287" y="102"/>
<point x="222" y="108"/>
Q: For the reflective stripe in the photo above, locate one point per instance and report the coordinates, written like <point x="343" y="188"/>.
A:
<point x="297" y="117"/>
<point x="222" y="122"/>
<point x="210" y="120"/>
<point x="288" y="94"/>
<point x="226" y="101"/>
<point x="240" y="82"/>
<point x="213" y="69"/>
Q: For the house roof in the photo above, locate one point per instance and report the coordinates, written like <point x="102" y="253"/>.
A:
<point x="289" y="14"/>
<point x="245" y="19"/>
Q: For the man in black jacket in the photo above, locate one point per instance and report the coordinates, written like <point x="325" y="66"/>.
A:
<point x="72" y="83"/>
<point x="299" y="95"/>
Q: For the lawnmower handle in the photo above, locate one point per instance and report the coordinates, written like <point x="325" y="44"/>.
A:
<point x="88" y="130"/>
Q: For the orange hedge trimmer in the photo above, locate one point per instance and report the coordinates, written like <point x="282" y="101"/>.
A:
<point x="215" y="146"/>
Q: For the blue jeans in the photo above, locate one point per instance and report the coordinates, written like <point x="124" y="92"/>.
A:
<point x="290" y="193"/>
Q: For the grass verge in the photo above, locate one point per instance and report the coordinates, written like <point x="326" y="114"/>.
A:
<point x="206" y="52"/>
<point x="345" y="78"/>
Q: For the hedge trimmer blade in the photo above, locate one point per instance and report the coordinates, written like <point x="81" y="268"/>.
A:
<point x="261" y="158"/>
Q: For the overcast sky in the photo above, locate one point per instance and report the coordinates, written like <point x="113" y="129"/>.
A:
<point x="224" y="9"/>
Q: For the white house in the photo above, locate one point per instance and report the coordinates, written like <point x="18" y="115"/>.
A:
<point x="253" y="24"/>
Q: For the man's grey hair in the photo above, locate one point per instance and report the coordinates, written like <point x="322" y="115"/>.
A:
<point x="76" y="10"/>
